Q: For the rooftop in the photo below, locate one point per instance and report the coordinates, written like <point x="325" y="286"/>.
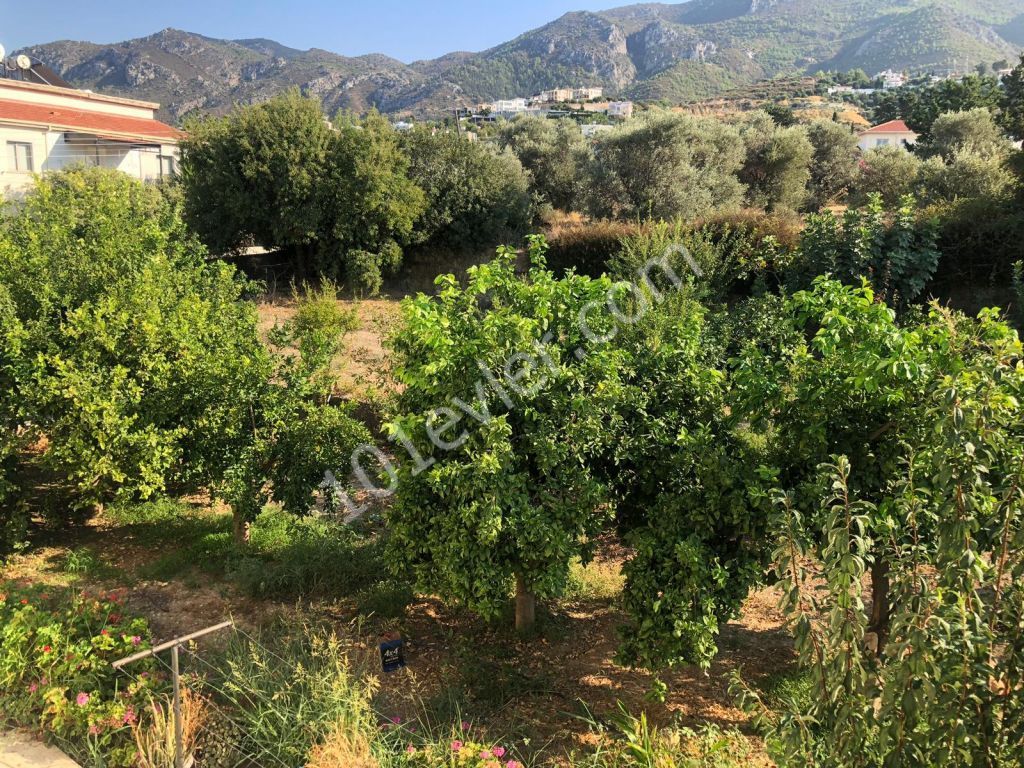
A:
<point x="893" y="126"/>
<point x="114" y="126"/>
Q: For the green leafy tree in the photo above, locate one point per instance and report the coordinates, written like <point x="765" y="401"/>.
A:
<point x="475" y="194"/>
<point x="370" y="203"/>
<point x="945" y="687"/>
<point x="666" y="166"/>
<point x="920" y="107"/>
<point x="680" y="471"/>
<point x="502" y="417"/>
<point x="555" y="154"/>
<point x="1012" y="118"/>
<point x="858" y="384"/>
<point x="255" y="176"/>
<point x="834" y="163"/>
<point x="277" y="174"/>
<point x="777" y="165"/>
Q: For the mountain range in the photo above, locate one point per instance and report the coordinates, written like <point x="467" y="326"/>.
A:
<point x="651" y="51"/>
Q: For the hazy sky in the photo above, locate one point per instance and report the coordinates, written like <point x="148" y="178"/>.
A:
<point x="405" y="29"/>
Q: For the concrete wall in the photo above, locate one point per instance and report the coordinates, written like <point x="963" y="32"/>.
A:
<point x="51" y="151"/>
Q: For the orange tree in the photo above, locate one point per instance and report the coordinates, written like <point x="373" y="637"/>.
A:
<point x="505" y="402"/>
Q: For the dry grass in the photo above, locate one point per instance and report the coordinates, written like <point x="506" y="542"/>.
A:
<point x="344" y="747"/>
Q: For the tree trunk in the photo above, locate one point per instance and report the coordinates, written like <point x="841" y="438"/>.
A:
<point x="880" y="601"/>
<point x="526" y="606"/>
<point x="239" y="528"/>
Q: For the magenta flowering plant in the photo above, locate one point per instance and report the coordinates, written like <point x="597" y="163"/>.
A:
<point x="56" y="651"/>
<point x="460" y="752"/>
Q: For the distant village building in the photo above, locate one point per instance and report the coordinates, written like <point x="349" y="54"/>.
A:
<point x="891" y="79"/>
<point x="894" y="133"/>
<point x="47" y="127"/>
<point x="587" y="94"/>
<point x="620" y="109"/>
<point x="509" y="106"/>
<point x="555" y="96"/>
<point x="593" y="129"/>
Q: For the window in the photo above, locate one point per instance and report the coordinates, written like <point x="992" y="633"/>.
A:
<point x="166" y="166"/>
<point x="19" y="156"/>
<point x="881" y="142"/>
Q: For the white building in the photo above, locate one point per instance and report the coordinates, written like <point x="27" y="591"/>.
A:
<point x="894" y="133"/>
<point x="620" y="109"/>
<point x="586" y="94"/>
<point x="509" y="106"/>
<point x="590" y="130"/>
<point x="46" y="128"/>
<point x="891" y="79"/>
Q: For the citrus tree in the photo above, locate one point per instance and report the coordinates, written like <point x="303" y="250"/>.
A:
<point x="505" y="401"/>
<point x="139" y="362"/>
<point x="690" y="503"/>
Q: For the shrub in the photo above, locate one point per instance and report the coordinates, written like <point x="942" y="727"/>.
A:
<point x="588" y="247"/>
<point x="56" y="649"/>
<point x="893" y="250"/>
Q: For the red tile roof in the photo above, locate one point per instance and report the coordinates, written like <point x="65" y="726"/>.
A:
<point x="893" y="126"/>
<point x="87" y="121"/>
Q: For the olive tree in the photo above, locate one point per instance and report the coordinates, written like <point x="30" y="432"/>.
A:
<point x="891" y="172"/>
<point x="664" y="167"/>
<point x="505" y="401"/>
<point x="555" y="154"/>
<point x="834" y="163"/>
<point x="776" y="168"/>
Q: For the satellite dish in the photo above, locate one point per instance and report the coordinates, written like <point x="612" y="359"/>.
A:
<point x="23" y="62"/>
<point x="3" y="52"/>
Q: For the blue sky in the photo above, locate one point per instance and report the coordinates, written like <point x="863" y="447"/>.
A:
<point x="405" y="29"/>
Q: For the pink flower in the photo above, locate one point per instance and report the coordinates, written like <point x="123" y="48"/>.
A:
<point x="410" y="749"/>
<point x="465" y="725"/>
<point x="129" y="716"/>
<point x="33" y="688"/>
<point x="82" y="699"/>
<point x="498" y="751"/>
<point x="456" y="745"/>
<point x="512" y="764"/>
<point x="136" y="639"/>
<point x="485" y="754"/>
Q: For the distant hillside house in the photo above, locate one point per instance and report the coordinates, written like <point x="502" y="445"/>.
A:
<point x="620" y="109"/>
<point x="46" y="128"/>
<point x="894" y="133"/>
